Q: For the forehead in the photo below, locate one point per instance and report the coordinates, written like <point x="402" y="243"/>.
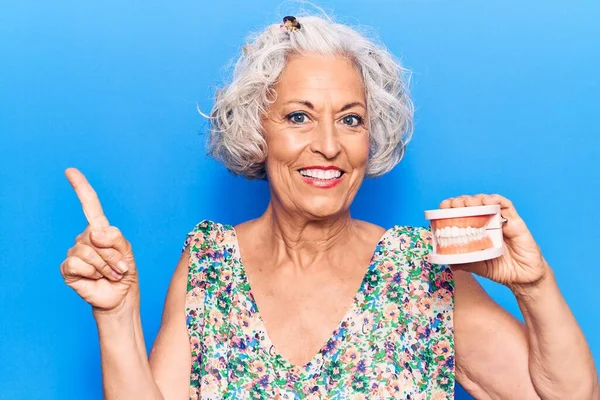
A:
<point x="314" y="75"/>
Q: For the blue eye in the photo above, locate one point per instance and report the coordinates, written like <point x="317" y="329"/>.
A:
<point x="297" y="117"/>
<point x="352" y="120"/>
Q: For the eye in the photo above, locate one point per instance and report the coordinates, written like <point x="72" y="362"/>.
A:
<point x="297" y="117"/>
<point x="352" y="120"/>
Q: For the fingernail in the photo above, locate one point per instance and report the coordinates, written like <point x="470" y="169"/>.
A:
<point x="116" y="275"/>
<point x="122" y="266"/>
<point x="98" y="234"/>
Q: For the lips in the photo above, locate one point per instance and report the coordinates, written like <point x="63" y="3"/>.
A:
<point x="322" y="176"/>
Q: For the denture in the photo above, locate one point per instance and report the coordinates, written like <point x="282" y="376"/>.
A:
<point x="465" y="234"/>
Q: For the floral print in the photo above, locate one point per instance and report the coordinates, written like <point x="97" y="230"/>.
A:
<point x="395" y="341"/>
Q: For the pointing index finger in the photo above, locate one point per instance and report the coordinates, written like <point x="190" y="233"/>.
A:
<point x="92" y="209"/>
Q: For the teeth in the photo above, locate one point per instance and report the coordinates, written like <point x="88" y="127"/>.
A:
<point x="321" y="174"/>
<point x="454" y="235"/>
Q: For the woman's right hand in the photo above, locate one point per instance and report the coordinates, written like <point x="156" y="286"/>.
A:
<point x="100" y="267"/>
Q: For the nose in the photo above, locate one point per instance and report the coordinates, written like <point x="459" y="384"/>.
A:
<point x="325" y="140"/>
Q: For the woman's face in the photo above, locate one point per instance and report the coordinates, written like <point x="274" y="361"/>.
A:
<point x="317" y="138"/>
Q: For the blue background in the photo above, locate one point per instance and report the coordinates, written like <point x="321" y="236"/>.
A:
<point x="506" y="96"/>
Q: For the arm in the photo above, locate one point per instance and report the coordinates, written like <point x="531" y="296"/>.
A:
<point x="560" y="361"/>
<point x="127" y="372"/>
<point x="170" y="358"/>
<point x="101" y="268"/>
<point x="125" y="369"/>
<point x="491" y="345"/>
<point x="497" y="357"/>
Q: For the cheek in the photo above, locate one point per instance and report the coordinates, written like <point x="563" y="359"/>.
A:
<point x="357" y="149"/>
<point x="284" y="147"/>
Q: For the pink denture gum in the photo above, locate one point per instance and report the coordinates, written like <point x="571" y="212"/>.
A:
<point x="465" y="234"/>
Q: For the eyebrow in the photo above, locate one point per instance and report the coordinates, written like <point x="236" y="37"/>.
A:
<point x="312" y="107"/>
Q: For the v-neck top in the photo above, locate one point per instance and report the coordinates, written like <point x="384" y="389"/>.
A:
<point x="395" y="341"/>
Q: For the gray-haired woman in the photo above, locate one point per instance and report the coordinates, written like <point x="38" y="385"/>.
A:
<point x="305" y="301"/>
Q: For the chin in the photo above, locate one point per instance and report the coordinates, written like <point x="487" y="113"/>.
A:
<point x="323" y="208"/>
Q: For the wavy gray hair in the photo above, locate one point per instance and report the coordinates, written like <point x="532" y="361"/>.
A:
<point x="235" y="134"/>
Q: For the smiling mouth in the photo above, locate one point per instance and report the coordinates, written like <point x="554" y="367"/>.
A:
<point x="322" y="177"/>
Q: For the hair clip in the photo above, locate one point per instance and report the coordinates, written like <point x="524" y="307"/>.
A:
<point x="290" y="23"/>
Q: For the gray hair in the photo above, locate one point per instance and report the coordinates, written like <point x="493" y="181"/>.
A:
<point x="236" y="138"/>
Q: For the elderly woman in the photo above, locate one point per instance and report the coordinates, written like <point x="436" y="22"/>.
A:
<point x="305" y="301"/>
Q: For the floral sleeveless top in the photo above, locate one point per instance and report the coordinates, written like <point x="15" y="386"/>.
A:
<point x="396" y="340"/>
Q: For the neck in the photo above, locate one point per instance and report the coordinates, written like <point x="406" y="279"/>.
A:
<point x="304" y="240"/>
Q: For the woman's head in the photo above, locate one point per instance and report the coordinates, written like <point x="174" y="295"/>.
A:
<point x="322" y="95"/>
<point x="316" y="134"/>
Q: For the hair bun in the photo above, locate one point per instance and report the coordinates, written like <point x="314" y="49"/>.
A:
<point x="290" y="23"/>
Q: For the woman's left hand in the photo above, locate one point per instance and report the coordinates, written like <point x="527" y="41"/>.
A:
<point x="522" y="263"/>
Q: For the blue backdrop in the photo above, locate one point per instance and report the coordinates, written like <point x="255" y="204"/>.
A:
<point x="506" y="97"/>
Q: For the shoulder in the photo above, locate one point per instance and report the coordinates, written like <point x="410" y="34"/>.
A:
<point x="415" y="239"/>
<point x="413" y="244"/>
<point x="206" y="234"/>
<point x="210" y="248"/>
<point x="207" y="227"/>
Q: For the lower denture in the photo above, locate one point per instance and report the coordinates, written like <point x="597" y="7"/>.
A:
<point x="478" y="245"/>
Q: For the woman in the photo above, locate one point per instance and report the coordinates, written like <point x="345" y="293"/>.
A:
<point x="324" y="305"/>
